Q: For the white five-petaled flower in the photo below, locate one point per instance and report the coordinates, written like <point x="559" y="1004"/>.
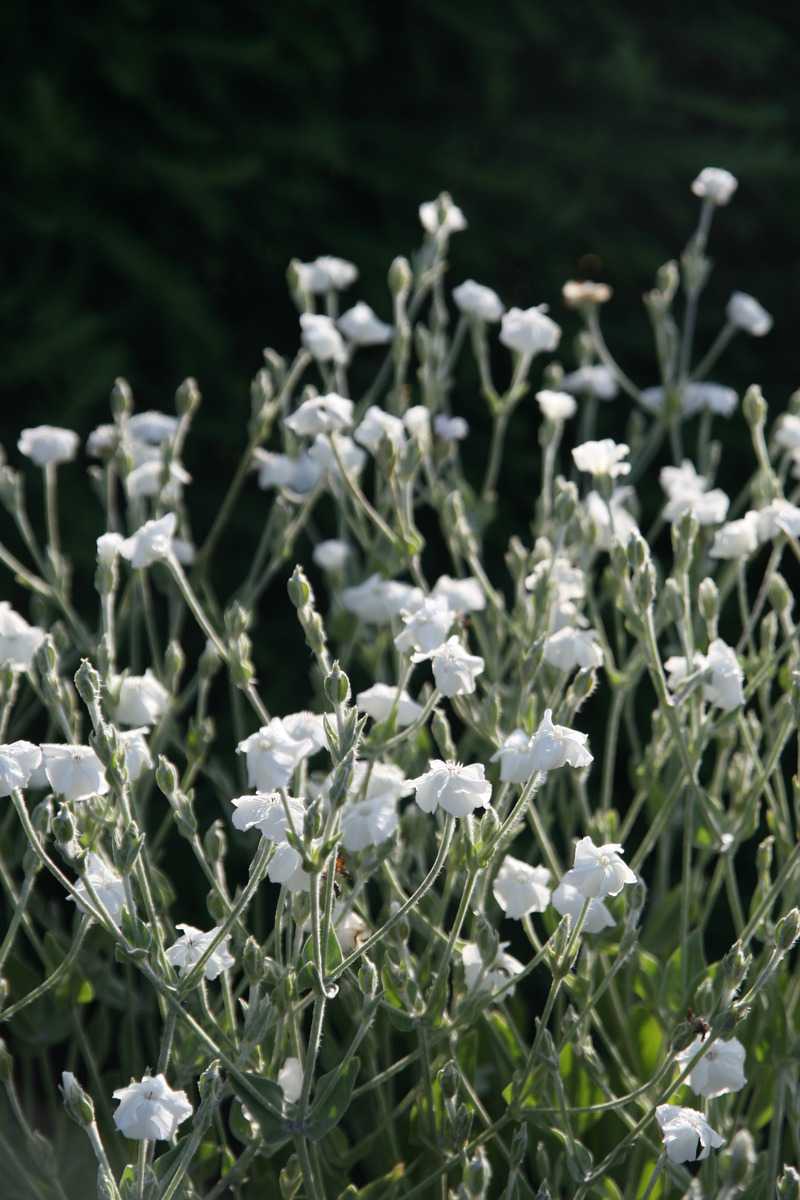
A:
<point x="779" y="516"/>
<point x="266" y="813"/>
<point x="715" y="184"/>
<point x="417" y="421"/>
<point x="381" y="699"/>
<point x="425" y="626"/>
<point x="489" y="977"/>
<point x="105" y="883"/>
<point x="192" y="945"/>
<point x="321" y="414"/>
<point x="724" y="686"/>
<point x="148" y="479"/>
<point x="556" y="406"/>
<point x="478" y="301"/>
<point x="441" y="217"/>
<point x="602" y="458"/>
<point x="450" y="786"/>
<point x="719" y="1071"/>
<point x="142" y="700"/>
<point x="370" y="821"/>
<point x="109" y="547"/>
<point x="554" y="746"/>
<point x="19" y="641"/>
<point x="746" y="313"/>
<point x="450" y="429"/>
<point x="74" y="772"/>
<point x="272" y="755"/>
<point x="520" y="889"/>
<point x="737" y="539"/>
<point x="687" y="1135"/>
<point x="290" y="1080"/>
<point x="361" y="326"/>
<point x="150" y="1109"/>
<point x="612" y="521"/>
<point x="152" y="541"/>
<point x="377" y="600"/>
<point x="592" y="380"/>
<point x="454" y="668"/>
<point x="48" y="445"/>
<point x="569" y="648"/>
<point x="694" y="397"/>
<point x="18" y="761"/>
<point x="377" y="425"/>
<point x="326" y="273"/>
<point x="529" y="331"/>
<point x="687" y="492"/>
<point x="598" y="871"/>
<point x="463" y="595"/>
<point x="568" y="901"/>
<point x="307" y="725"/>
<point x="332" y="554"/>
<point x="322" y="339"/>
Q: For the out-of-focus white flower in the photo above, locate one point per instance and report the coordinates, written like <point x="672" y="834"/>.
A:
<point x="687" y="493"/>
<point x="321" y="414"/>
<point x="599" y="871"/>
<point x="74" y="772"/>
<point x="377" y="600"/>
<point x="682" y="480"/>
<point x="441" y="217"/>
<point x="272" y="755"/>
<point x="719" y="1071"/>
<point x="192" y="945"/>
<point x="48" y="444"/>
<point x="417" y="421"/>
<point x="290" y="1080"/>
<point x="779" y="516"/>
<point x="425" y="626"/>
<point x="516" y="757"/>
<point x="102" y="441"/>
<point x="326" y="273"/>
<point x="602" y="458"/>
<point x="153" y="428"/>
<point x="787" y="431"/>
<point x="556" y="406"/>
<point x="478" y="301"/>
<point x="331" y="555"/>
<point x="555" y="746"/>
<point x="462" y="595"/>
<point x="106" y="884"/>
<point x="568" y="901"/>
<point x="614" y="525"/>
<point x="18" y="761"/>
<point x="369" y="822"/>
<point x="379" y="700"/>
<point x="109" y="546"/>
<point x="322" y="339"/>
<point x="569" y="581"/>
<point x="454" y="668"/>
<point x="577" y="293"/>
<point x="325" y="461"/>
<point x="450" y="786"/>
<point x="19" y="641"/>
<point x="489" y="977"/>
<point x="737" y="539"/>
<point x="571" y="648"/>
<point x="744" y="312"/>
<point x="309" y="726"/>
<point x="724" y="688"/>
<point x="351" y="929"/>
<point x="300" y="474"/>
<point x="694" y="398"/>
<point x="136" y="751"/>
<point x="361" y="326"/>
<point x="591" y="380"/>
<point x="286" y="868"/>
<point x="715" y="184"/>
<point x="450" y="429"/>
<point x="520" y="889"/>
<point x="377" y="425"/>
<point x="148" y="480"/>
<point x="150" y="1109"/>
<point x="529" y="331"/>
<point x="687" y="1135"/>
<point x="151" y="542"/>
<point x="142" y="700"/>
<point x="677" y="669"/>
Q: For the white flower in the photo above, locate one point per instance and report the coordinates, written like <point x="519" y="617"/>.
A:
<point x="598" y="871"/>
<point x="321" y="414"/>
<point x="309" y="726"/>
<point x="109" y="545"/>
<point x="568" y="901"/>
<point x="150" y="1109"/>
<point x="151" y="542"/>
<point x="425" y="626"/>
<point x="148" y="480"/>
<point x="787" y="431"/>
<point x="737" y="539"/>
<point x="369" y="822"/>
<point x="450" y="429"/>
<point x="724" y="688"/>
<point x="449" y="785"/>
<point x="290" y="1080"/>
<point x="520" y="889"/>
<point x="602" y="458"/>
<point x="682" y="481"/>
<point x="744" y="312"/>
<point x="325" y="461"/>
<point x="272" y="755"/>
<point x="492" y="976"/>
<point x="571" y="648"/>
<point x="694" y="398"/>
<point x="299" y="474"/>
<point x="379" y="700"/>
<point x="322" y="339"/>
<point x="417" y="421"/>
<point x="515" y="757"/>
<point x="326" y="273"/>
<point x="102" y="441"/>
<point x="715" y="184"/>
<point x="19" y="641"/>
<point x="555" y="746"/>
<point x="687" y="493"/>
<point x="569" y="581"/>
<point x="266" y="813"/>
<point x="476" y="300"/>
<point x="377" y="600"/>
<point x="106" y="884"/>
<point x="441" y="217"/>
<point x="362" y="327"/>
<point x="678" y="670"/>
<point x="454" y="668"/>
<point x="351" y="929"/>
<point x="331" y="555"/>
<point x="529" y="330"/>
<point x="152" y="427"/>
<point x="18" y="761"/>
<point x="585" y="291"/>
<point x="377" y="425"/>
<point x="462" y="595"/>
<point x="48" y="444"/>
<point x="618" y="525"/>
<point x="286" y="868"/>
<point x="687" y="1135"/>
<point x="192" y="945"/>
<point x="556" y="406"/>
<point x="779" y="516"/>
<point x="719" y="1071"/>
<point x="74" y="772"/>
<point x="142" y="700"/>
<point x="594" y="380"/>
<point x="136" y="751"/>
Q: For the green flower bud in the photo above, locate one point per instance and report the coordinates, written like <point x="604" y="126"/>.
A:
<point x="299" y="589"/>
<point x="210" y="662"/>
<point x="450" y="1080"/>
<point x="215" y="842"/>
<point x="6" y="1063"/>
<point x="368" y="978"/>
<point x="253" y="962"/>
<point x="787" y="930"/>
<point x="167" y="779"/>
<point x="187" y="398"/>
<point x="337" y="686"/>
<point x="708" y="600"/>
<point x="63" y="826"/>
<point x="121" y="399"/>
<point x="126" y="851"/>
<point x="87" y="683"/>
<point x="565" y="501"/>
<point x="780" y="596"/>
<point x="487" y="940"/>
<point x="743" y="1157"/>
<point x="400" y="278"/>
<point x="477" y="1174"/>
<point x="77" y="1102"/>
<point x="174" y="663"/>
<point x="754" y="406"/>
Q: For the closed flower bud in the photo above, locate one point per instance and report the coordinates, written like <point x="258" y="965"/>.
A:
<point x="644" y="585"/>
<point x="6" y="1063"/>
<point x="565" y="501"/>
<point x="337" y="686"/>
<point x="166" y="777"/>
<point x="126" y="851"/>
<point x="672" y="599"/>
<point x="754" y="406"/>
<point x="477" y="1174"/>
<point x="450" y="1080"/>
<point x="237" y="620"/>
<point x="253" y="962"/>
<point x="637" y="552"/>
<point x="77" y="1102"/>
<point x="121" y="399"/>
<point x="210" y="662"/>
<point x="215" y="842"/>
<point x="742" y="1158"/>
<point x="735" y="966"/>
<point x="780" y="596"/>
<point x="787" y="930"/>
<point x="708" y="600"/>
<point x="187" y="398"/>
<point x="368" y="978"/>
<point x="87" y="683"/>
<point x="400" y="277"/>
<point x="63" y="826"/>
<point x="299" y="589"/>
<point x="174" y="663"/>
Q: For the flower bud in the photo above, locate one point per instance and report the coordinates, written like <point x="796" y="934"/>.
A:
<point x="565" y="501"/>
<point x="787" y="930"/>
<point x="77" y="1102"/>
<point x="788" y="1187"/>
<point x="449" y="1080"/>
<point x="754" y="406"/>
<point x="240" y="665"/>
<point x="215" y="842"/>
<point x="167" y="777"/>
<point x="368" y="978"/>
<point x="87" y="683"/>
<point x="121" y="399"/>
<point x="400" y="277"/>
<point x="708" y="600"/>
<point x="187" y="398"/>
<point x="734" y="967"/>
<point x="63" y="826"/>
<point x="126" y="850"/>
<point x="672" y="599"/>
<point x="174" y="663"/>
<point x="477" y="1174"/>
<point x="684" y="535"/>
<point x="780" y="596"/>
<point x="743" y="1157"/>
<point x="253" y="962"/>
<point x="644" y="585"/>
<point x="337" y="686"/>
<point x="299" y="589"/>
<point x="6" y="1063"/>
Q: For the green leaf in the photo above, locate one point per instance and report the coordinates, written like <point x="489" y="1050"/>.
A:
<point x="673" y="992"/>
<point x="334" y="1092"/>
<point x="264" y="1101"/>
